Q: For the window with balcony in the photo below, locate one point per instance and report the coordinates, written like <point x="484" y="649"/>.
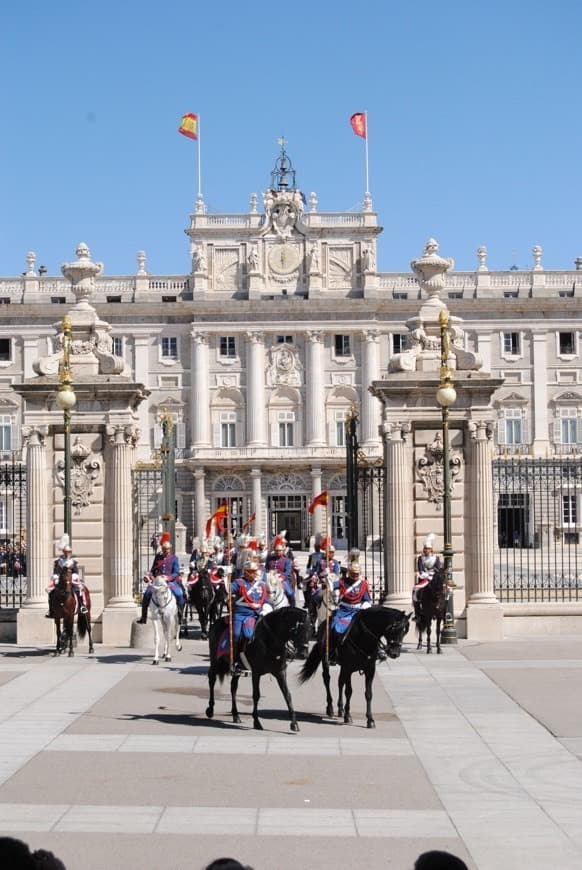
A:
<point x="286" y="421"/>
<point x="342" y="346"/>
<point x="513" y="429"/>
<point x="340" y="429"/>
<point x="5" y="433"/>
<point x="228" y="430"/>
<point x="227" y="346"/>
<point x="570" y="511"/>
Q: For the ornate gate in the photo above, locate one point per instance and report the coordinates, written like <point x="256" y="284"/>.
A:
<point x="538" y="535"/>
<point x="12" y="534"/>
<point x="366" y="485"/>
<point x="147" y="501"/>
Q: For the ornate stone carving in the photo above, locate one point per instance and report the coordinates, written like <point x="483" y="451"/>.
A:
<point x="82" y="273"/>
<point x="430" y="269"/>
<point x="228" y="483"/>
<point x="34" y="436"/>
<point x="430" y="470"/>
<point x="481" y="430"/>
<point x="123" y="434"/>
<point x="283" y="212"/>
<point x="84" y="474"/>
<point x="287" y="482"/>
<point x="199" y="262"/>
<point x="284" y="367"/>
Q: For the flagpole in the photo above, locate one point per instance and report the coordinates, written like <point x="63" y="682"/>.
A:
<point x="230" y="613"/>
<point x="199" y="162"/>
<point x="327" y="542"/>
<point x="367" y="167"/>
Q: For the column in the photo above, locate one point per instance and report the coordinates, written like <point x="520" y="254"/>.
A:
<point x="398" y="515"/>
<point x="200" y="393"/>
<point x="256" y="411"/>
<point x="120" y="607"/>
<point x="32" y="627"/>
<point x="371" y="410"/>
<point x="484" y="613"/>
<point x="315" y="398"/>
<point x="318" y="522"/>
<point x="257" y="505"/>
<point x="199" y="504"/>
<point x="141" y="364"/>
<point x="541" y="442"/>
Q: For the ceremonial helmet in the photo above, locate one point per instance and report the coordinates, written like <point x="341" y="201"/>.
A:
<point x="428" y="543"/>
<point x="165" y="541"/>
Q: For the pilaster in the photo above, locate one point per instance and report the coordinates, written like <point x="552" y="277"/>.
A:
<point x="371" y="411"/>
<point x="398" y="515"/>
<point x="255" y="409"/>
<point x="199" y="503"/>
<point x="541" y="442"/>
<point x="257" y="502"/>
<point x="200" y="402"/>
<point x="315" y="399"/>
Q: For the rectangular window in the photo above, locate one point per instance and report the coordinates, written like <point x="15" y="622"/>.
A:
<point x="285" y="434"/>
<point x="513" y="429"/>
<point x="398" y="342"/>
<point x="455" y="295"/>
<point x="284" y="339"/>
<point x="569" y="511"/>
<point x="114" y="298"/>
<point x="340" y="433"/>
<point x="511" y="344"/>
<point x="227" y="346"/>
<point x="342" y="345"/>
<point x="567" y="343"/>
<point x="5" y="300"/>
<point x="400" y="296"/>
<point x="5" y="349"/>
<point x="569" y="430"/>
<point x="118" y="345"/>
<point x="169" y="347"/>
<point x="5" y="433"/>
<point x="228" y="434"/>
<point x="58" y="300"/>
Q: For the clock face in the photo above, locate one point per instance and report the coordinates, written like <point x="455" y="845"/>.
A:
<point x="284" y="259"/>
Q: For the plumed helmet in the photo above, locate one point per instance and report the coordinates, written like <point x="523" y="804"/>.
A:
<point x="65" y="542"/>
<point x="429" y="541"/>
<point x="165" y="539"/>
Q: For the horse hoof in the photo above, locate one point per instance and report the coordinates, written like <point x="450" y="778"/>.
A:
<point x="257" y="725"/>
<point x="371" y="723"/>
<point x="329" y="712"/>
<point x="71" y="654"/>
<point x="156" y="662"/>
<point x="209" y="712"/>
<point x="439" y="651"/>
<point x="179" y="647"/>
<point x="237" y="720"/>
<point x="294" y="726"/>
<point x="203" y="636"/>
<point x="168" y="659"/>
<point x="347" y="720"/>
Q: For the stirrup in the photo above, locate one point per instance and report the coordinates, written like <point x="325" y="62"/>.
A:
<point x="83" y="609"/>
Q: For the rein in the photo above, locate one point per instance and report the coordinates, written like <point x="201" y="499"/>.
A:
<point x="156" y="603"/>
<point x="377" y="639"/>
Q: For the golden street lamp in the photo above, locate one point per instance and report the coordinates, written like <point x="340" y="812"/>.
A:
<point x="446" y="396"/>
<point x="66" y="400"/>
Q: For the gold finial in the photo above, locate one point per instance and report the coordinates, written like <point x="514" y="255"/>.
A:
<point x="282" y="142"/>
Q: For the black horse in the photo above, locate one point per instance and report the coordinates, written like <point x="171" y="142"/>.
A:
<point x="431" y="604"/>
<point x="200" y="594"/>
<point x="219" y="598"/>
<point x="268" y="652"/>
<point x="358" y="652"/>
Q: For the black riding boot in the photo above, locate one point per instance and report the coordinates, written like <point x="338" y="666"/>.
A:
<point x="144" y="612"/>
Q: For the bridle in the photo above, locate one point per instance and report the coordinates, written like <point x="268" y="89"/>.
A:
<point x="157" y="590"/>
<point x="378" y="639"/>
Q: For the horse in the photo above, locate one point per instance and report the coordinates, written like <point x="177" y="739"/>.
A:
<point x="431" y="604"/>
<point x="358" y="652"/>
<point x="200" y="595"/>
<point x="63" y="605"/>
<point x="267" y="653"/>
<point x="276" y="591"/>
<point x="219" y="596"/>
<point x="163" y="608"/>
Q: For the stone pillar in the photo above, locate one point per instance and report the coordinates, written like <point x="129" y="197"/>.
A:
<point x="371" y="411"/>
<point x="399" y="545"/>
<point x="29" y="355"/>
<point x="256" y="411"/>
<point x="541" y="442"/>
<point x="199" y="503"/>
<point x="32" y="627"/>
<point x="484" y="349"/>
<point x="318" y="522"/>
<point x="141" y="363"/>
<point x="200" y="401"/>
<point x="484" y="612"/>
<point x="120" y="607"/>
<point x="257" y="503"/>
<point x="315" y="398"/>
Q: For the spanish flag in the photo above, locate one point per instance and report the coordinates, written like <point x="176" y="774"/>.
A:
<point x="189" y="126"/>
<point x="218" y="518"/>
<point x="358" y="122"/>
<point x="320" y="499"/>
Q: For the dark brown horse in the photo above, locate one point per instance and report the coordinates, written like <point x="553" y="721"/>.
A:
<point x="371" y="630"/>
<point x="63" y="605"/>
<point x="431" y="604"/>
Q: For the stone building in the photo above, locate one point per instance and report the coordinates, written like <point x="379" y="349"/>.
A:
<point x="280" y="328"/>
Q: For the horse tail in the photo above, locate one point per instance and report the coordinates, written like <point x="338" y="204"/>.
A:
<point x="422" y="623"/>
<point x="82" y="624"/>
<point x="311" y="665"/>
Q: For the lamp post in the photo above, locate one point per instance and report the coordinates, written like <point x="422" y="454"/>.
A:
<point x="446" y="396"/>
<point x="168" y="476"/>
<point x="66" y="400"/>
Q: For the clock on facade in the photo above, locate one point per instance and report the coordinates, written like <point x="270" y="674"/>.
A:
<point x="284" y="259"/>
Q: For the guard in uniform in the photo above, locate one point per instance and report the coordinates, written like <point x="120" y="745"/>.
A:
<point x="167" y="564"/>
<point x="250" y="600"/>
<point x="281" y="563"/>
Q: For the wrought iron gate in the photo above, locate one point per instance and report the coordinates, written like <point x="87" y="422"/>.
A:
<point x="538" y="535"/>
<point x="366" y="484"/>
<point x="12" y="534"/>
<point x="147" y="501"/>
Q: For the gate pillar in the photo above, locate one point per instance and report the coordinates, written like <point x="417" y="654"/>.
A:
<point x="398" y="536"/>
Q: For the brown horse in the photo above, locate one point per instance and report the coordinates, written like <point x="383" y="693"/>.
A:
<point x="63" y="605"/>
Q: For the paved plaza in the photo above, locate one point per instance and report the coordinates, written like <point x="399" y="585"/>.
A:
<point x="111" y="763"/>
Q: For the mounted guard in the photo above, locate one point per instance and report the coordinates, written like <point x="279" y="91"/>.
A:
<point x="166" y="564"/>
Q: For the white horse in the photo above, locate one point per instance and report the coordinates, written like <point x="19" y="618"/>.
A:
<point x="329" y="598"/>
<point x="164" y="609"/>
<point x="276" y="591"/>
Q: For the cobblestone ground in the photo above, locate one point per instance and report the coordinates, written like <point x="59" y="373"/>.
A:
<point x="111" y="762"/>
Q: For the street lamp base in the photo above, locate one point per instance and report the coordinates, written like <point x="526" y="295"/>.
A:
<point x="449" y="631"/>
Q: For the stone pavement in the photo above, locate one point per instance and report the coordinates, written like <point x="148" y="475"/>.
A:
<point x="111" y="763"/>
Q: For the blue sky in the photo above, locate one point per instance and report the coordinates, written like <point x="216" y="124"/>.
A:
<point x="474" y="131"/>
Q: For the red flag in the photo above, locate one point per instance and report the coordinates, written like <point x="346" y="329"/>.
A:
<point x="189" y="126"/>
<point x="218" y="518"/>
<point x="320" y="499"/>
<point x="358" y="122"/>
<point x="250" y="520"/>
